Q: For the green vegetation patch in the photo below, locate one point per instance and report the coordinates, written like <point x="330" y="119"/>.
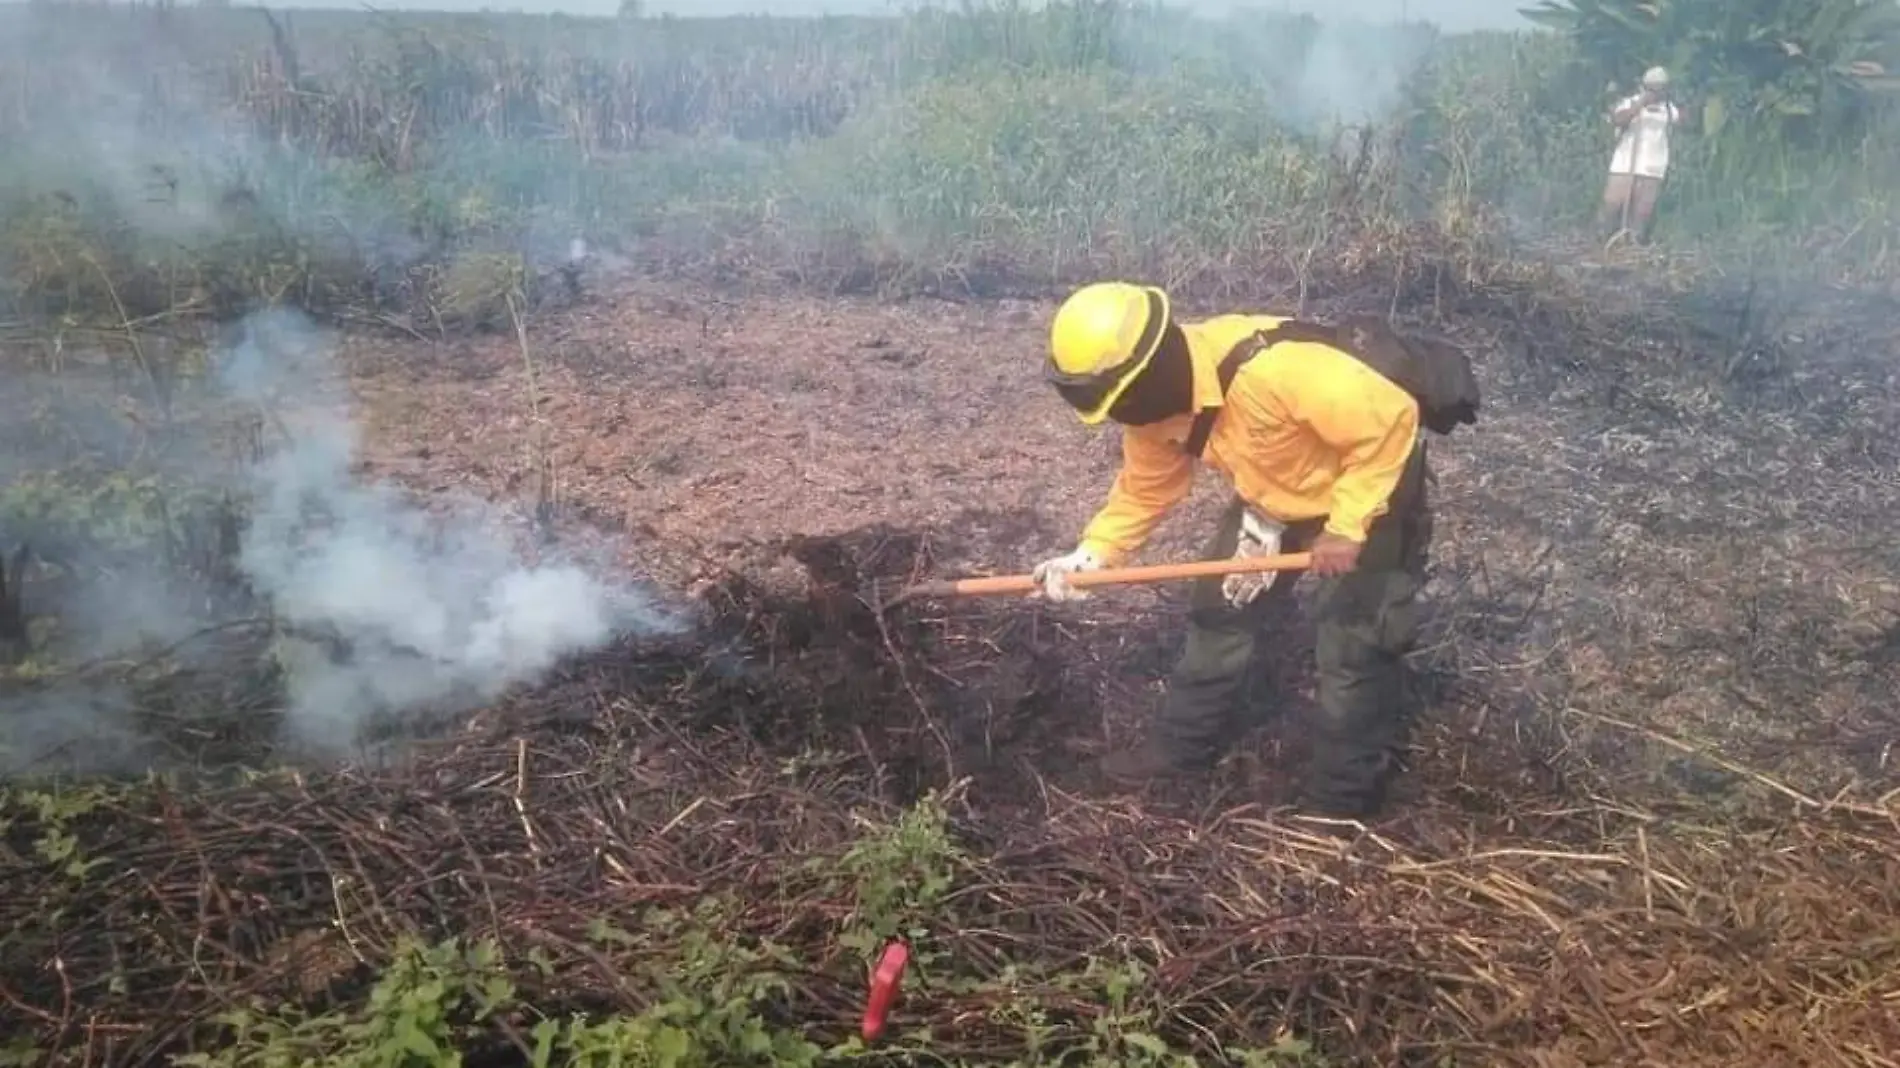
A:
<point x="332" y="159"/>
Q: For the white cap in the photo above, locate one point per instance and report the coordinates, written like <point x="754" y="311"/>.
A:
<point x="1655" y="78"/>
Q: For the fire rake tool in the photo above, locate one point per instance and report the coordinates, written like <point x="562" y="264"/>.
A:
<point x="1118" y="576"/>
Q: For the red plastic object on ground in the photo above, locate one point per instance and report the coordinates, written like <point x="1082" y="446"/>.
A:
<point x="885" y="979"/>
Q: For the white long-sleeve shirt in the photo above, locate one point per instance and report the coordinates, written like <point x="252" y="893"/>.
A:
<point x="1643" y="150"/>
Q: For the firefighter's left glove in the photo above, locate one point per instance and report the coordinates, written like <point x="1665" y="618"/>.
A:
<point x="1259" y="536"/>
<point x="1052" y="576"/>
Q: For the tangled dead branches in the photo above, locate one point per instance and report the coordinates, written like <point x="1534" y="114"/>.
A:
<point x="1563" y="928"/>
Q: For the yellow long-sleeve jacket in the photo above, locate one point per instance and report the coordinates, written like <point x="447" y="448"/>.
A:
<point x="1306" y="431"/>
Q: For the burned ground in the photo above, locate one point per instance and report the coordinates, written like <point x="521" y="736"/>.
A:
<point x="1650" y="813"/>
<point x="1708" y="545"/>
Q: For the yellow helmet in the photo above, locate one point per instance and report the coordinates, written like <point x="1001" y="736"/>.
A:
<point x="1102" y="337"/>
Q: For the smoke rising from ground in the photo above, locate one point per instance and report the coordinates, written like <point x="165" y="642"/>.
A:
<point x="1353" y="74"/>
<point x="424" y="610"/>
<point x="383" y="607"/>
<point x="380" y="607"/>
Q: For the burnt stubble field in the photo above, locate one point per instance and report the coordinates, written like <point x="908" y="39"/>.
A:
<point x="462" y="643"/>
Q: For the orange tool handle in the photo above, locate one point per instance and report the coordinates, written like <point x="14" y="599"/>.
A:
<point x="1118" y="576"/>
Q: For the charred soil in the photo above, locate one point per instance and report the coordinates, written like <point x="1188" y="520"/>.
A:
<point x="1649" y="817"/>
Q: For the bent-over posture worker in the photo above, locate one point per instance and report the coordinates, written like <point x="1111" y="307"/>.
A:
<point x="1324" y="453"/>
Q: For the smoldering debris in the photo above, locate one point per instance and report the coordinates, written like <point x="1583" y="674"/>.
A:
<point x="372" y="604"/>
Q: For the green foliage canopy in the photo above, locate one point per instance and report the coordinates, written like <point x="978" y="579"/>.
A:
<point x="1805" y="72"/>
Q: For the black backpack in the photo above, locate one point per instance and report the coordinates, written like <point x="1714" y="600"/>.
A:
<point x="1435" y="372"/>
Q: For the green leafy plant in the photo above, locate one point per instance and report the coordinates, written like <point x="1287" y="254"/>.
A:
<point x="900" y="875"/>
<point x="52" y="814"/>
<point x="1806" y="71"/>
<point x="429" y="1001"/>
<point x="707" y="1002"/>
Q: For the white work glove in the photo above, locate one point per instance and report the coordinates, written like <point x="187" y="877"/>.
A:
<point x="1052" y="576"/>
<point x="1259" y="536"/>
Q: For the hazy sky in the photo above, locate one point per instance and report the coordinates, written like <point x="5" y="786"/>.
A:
<point x="1451" y="14"/>
<point x="1466" y="14"/>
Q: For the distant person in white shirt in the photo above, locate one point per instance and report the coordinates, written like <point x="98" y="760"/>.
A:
<point x="1641" y="160"/>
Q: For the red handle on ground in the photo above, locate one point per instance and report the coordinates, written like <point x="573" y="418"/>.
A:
<point x="885" y="979"/>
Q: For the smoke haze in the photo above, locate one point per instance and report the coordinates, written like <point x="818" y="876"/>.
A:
<point x="381" y="608"/>
<point x="428" y="610"/>
<point x="1452" y="15"/>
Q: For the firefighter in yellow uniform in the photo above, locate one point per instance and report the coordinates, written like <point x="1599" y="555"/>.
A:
<point x="1324" y="454"/>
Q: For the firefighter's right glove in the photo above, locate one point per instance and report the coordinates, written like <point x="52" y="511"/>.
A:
<point x="1259" y="536"/>
<point x="1052" y="576"/>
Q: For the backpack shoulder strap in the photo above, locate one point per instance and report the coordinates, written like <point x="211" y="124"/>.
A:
<point x="1230" y="366"/>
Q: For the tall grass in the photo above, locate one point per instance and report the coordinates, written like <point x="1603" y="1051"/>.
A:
<point x="210" y="158"/>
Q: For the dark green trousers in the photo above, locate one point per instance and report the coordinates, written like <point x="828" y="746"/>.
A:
<point x="1367" y="622"/>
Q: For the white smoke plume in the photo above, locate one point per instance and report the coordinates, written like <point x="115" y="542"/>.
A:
<point x="1354" y="75"/>
<point x="421" y="610"/>
<point x="382" y="605"/>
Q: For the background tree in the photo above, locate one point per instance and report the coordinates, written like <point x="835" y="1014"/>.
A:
<point x="1792" y="102"/>
<point x="1808" y="73"/>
